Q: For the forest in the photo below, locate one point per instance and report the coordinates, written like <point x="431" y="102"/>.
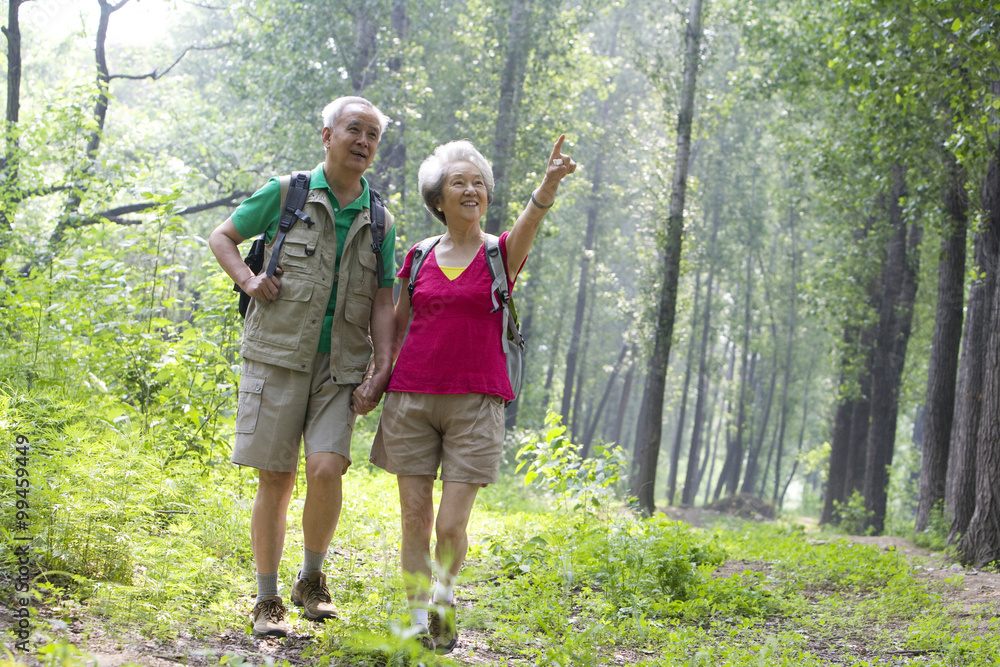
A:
<point x="762" y="325"/>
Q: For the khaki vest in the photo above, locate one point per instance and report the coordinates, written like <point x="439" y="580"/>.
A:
<point x="285" y="332"/>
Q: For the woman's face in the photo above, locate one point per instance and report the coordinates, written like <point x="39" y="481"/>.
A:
<point x="463" y="197"/>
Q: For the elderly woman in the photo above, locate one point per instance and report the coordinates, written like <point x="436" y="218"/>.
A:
<point x="445" y="402"/>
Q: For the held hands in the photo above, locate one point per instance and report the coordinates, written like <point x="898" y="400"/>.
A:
<point x="369" y="393"/>
<point x="263" y="286"/>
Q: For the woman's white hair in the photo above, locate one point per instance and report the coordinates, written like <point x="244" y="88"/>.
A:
<point x="430" y="178"/>
<point x="332" y="111"/>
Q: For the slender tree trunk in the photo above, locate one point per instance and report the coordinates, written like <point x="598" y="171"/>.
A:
<point x="789" y="347"/>
<point x="577" y="423"/>
<point x="692" y="478"/>
<point x="712" y="456"/>
<point x="860" y="421"/>
<point x="511" y="86"/>
<point x="10" y="188"/>
<point x="675" y="451"/>
<point x="899" y="289"/>
<point x="593" y="213"/>
<point x="802" y="436"/>
<point x="588" y="437"/>
<point x="647" y="449"/>
<point x="734" y="458"/>
<point x="730" y="404"/>
<point x="943" y="365"/>
<point x="616" y="434"/>
<point x="710" y="411"/>
<point x="390" y="170"/>
<point x="83" y="171"/>
<point x="750" y="476"/>
<point x="840" y="444"/>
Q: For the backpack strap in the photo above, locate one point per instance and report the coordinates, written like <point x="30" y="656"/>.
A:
<point x="500" y="294"/>
<point x="377" y="215"/>
<point x="419" y="255"/>
<point x="291" y="212"/>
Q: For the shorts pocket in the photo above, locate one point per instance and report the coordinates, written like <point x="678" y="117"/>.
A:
<point x="248" y="407"/>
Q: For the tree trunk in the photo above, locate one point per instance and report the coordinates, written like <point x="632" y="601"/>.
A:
<point x="960" y="484"/>
<point x="588" y="437"/>
<point x="899" y="289"/>
<point x="675" y="451"/>
<point x="840" y="444"/>
<point x="593" y="212"/>
<point x="802" y="435"/>
<point x="577" y="423"/>
<point x="734" y="456"/>
<point x="730" y="406"/>
<point x="511" y="86"/>
<point x="789" y="347"/>
<point x="860" y="421"/>
<point x="647" y="449"/>
<point x="750" y="477"/>
<point x="390" y="170"/>
<point x="10" y="188"/>
<point x="980" y="544"/>
<point x="943" y="364"/>
<point x="72" y="204"/>
<point x="616" y="434"/>
<point x="692" y="478"/>
<point x="710" y="451"/>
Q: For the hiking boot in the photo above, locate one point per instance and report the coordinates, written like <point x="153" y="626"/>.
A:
<point x="269" y="617"/>
<point x="313" y="596"/>
<point x="443" y="629"/>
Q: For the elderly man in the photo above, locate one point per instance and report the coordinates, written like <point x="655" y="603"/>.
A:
<point x="307" y="346"/>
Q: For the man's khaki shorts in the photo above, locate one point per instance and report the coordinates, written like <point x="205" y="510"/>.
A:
<point x="279" y="408"/>
<point x="460" y="433"/>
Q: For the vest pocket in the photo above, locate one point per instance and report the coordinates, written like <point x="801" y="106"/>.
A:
<point x="299" y="249"/>
<point x="248" y="407"/>
<point x="362" y="288"/>
<point x="280" y="323"/>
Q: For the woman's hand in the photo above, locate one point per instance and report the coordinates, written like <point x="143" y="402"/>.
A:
<point x="559" y="165"/>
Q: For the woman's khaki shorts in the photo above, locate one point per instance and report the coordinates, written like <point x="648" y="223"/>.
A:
<point x="460" y="433"/>
<point x="279" y="408"/>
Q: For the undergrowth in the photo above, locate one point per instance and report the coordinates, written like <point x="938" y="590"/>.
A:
<point x="561" y="570"/>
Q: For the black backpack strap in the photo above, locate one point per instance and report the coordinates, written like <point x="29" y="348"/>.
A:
<point x="377" y="214"/>
<point x="291" y="213"/>
<point x="419" y="255"/>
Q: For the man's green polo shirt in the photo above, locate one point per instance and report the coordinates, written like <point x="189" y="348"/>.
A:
<point x="261" y="212"/>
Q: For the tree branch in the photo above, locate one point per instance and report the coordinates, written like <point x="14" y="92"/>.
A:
<point x="156" y="73"/>
<point x="113" y="214"/>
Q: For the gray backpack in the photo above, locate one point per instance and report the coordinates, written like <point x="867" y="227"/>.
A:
<point x="513" y="341"/>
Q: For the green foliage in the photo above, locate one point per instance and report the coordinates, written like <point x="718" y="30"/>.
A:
<point x="553" y="462"/>
<point x="854" y="517"/>
<point x="935" y="535"/>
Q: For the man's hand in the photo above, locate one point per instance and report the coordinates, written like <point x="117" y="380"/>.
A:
<point x="263" y="286"/>
<point x="368" y="394"/>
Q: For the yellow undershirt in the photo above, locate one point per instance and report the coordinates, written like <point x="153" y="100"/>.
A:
<point x="451" y="272"/>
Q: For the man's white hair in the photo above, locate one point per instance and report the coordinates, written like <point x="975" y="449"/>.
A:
<point x="332" y="111"/>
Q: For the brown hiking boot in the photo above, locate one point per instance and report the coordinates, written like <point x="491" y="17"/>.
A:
<point x="314" y="597"/>
<point x="443" y="629"/>
<point x="269" y="617"/>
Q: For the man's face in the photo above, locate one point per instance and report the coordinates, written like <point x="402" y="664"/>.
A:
<point x="351" y="143"/>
